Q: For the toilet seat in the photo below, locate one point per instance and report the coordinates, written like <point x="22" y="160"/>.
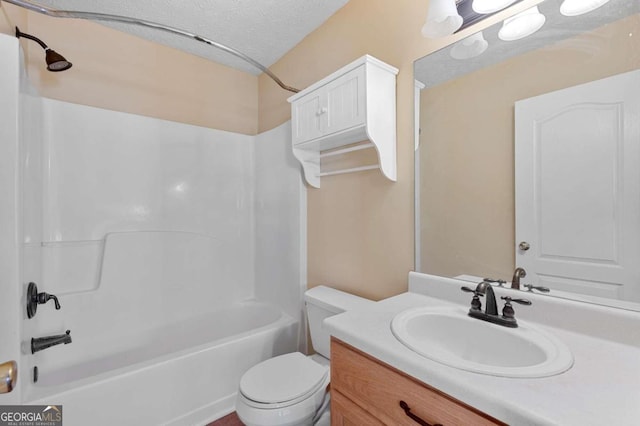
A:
<point x="282" y="381"/>
<point x="286" y="390"/>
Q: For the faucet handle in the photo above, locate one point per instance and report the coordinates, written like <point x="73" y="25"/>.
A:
<point x="507" y="310"/>
<point x="34" y="299"/>
<point x="531" y="287"/>
<point x="470" y="290"/>
<point x="45" y="297"/>
<point x="476" y="305"/>
<point x="519" y="301"/>
<point x="498" y="281"/>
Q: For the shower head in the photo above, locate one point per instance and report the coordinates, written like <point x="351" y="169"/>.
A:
<point x="55" y="61"/>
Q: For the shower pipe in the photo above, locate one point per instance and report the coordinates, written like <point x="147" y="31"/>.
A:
<point x="135" y="21"/>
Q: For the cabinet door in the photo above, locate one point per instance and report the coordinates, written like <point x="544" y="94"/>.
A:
<point x="346" y="413"/>
<point x="345" y="101"/>
<point x="307" y="115"/>
<point x="380" y="389"/>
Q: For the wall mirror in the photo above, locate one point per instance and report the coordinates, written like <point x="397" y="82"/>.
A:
<point x="529" y="152"/>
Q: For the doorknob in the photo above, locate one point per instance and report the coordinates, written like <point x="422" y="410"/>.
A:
<point x="524" y="246"/>
<point x="8" y="376"/>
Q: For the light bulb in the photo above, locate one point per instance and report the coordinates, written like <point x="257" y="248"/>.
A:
<point x="579" y="7"/>
<point x="522" y="25"/>
<point x="470" y="47"/>
<point x="490" y="6"/>
<point x="443" y="19"/>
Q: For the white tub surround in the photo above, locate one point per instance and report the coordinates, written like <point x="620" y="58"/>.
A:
<point x="600" y="388"/>
<point x="280" y="212"/>
<point x="10" y="314"/>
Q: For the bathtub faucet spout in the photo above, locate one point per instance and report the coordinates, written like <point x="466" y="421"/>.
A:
<point x="41" y="343"/>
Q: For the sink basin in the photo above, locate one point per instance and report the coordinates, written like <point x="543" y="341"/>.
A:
<point x="449" y="336"/>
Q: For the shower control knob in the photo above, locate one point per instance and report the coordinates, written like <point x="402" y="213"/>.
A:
<point x="34" y="299"/>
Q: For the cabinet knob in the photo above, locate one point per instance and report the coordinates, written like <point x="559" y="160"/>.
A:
<point x="321" y="111"/>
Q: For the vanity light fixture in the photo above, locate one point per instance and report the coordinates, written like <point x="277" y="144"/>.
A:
<point x="443" y="19"/>
<point x="490" y="6"/>
<point x="579" y="7"/>
<point x="470" y="47"/>
<point x="522" y="25"/>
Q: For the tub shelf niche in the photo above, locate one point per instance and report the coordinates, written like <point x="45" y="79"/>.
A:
<point x="354" y="104"/>
<point x="72" y="266"/>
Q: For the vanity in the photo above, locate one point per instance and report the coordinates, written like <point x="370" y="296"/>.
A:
<point x="368" y="391"/>
<point x="373" y="372"/>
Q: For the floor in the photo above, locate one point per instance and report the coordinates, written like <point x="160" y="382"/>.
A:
<point x="230" y="420"/>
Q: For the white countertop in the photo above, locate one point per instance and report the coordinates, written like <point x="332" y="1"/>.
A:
<point x="602" y="387"/>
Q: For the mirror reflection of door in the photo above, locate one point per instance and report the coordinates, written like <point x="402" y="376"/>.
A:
<point x="577" y="167"/>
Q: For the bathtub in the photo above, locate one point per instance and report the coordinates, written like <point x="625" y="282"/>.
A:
<point x="172" y="376"/>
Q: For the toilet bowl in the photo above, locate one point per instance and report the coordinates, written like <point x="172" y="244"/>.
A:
<point x="287" y="390"/>
<point x="292" y="389"/>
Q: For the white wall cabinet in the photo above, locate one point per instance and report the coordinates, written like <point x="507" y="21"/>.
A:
<point x="354" y="104"/>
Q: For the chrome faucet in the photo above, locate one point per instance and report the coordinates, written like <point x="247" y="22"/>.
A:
<point x="517" y="274"/>
<point x="490" y="313"/>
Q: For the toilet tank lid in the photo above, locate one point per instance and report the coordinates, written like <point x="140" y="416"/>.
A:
<point x="334" y="300"/>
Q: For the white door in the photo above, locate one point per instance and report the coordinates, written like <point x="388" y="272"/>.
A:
<point x="577" y="156"/>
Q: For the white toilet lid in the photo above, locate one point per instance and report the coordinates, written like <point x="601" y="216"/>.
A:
<point x="283" y="378"/>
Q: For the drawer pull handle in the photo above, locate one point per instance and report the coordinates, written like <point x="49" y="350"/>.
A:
<point x="413" y="417"/>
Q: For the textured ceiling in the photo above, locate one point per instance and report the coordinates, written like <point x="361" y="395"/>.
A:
<point x="262" y="29"/>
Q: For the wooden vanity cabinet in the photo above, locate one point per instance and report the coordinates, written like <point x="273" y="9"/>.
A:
<point x="365" y="391"/>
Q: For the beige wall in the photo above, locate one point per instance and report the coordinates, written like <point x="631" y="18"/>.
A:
<point x="10" y="17"/>
<point x="467" y="154"/>
<point x="5" y="26"/>
<point x="360" y="226"/>
<point x="118" y="71"/>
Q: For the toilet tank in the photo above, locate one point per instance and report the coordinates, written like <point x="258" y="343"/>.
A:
<point x="323" y="302"/>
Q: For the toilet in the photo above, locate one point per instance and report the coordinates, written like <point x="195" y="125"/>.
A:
<point x="291" y="389"/>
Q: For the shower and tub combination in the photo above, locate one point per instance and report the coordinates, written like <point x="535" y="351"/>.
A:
<point x="157" y="242"/>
